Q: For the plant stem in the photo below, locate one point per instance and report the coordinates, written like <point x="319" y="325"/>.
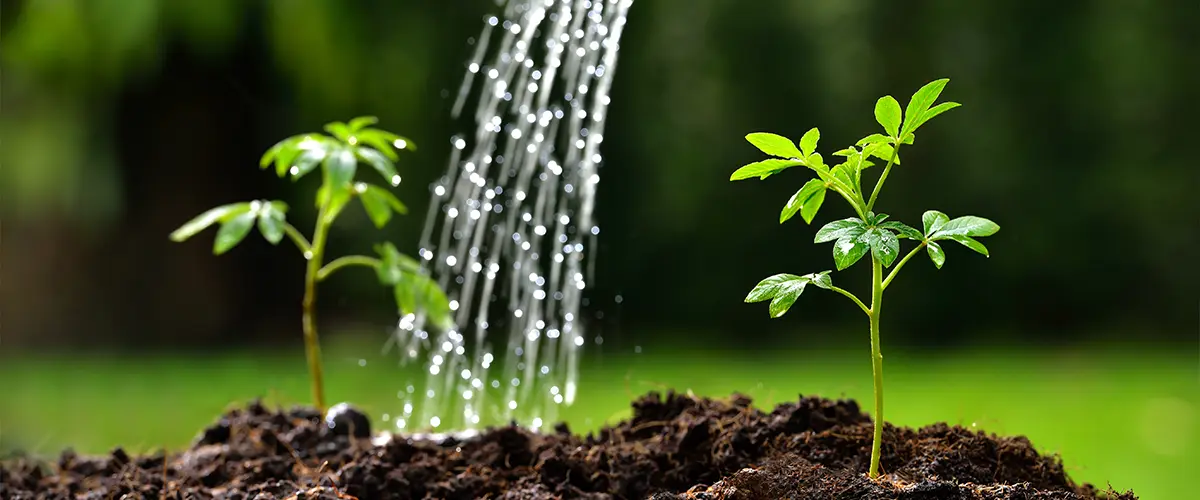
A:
<point x="852" y="297"/>
<point x="348" y="260"/>
<point x="298" y="238"/>
<point x="896" y="270"/>
<point x="876" y="362"/>
<point x="882" y="178"/>
<point x="312" y="347"/>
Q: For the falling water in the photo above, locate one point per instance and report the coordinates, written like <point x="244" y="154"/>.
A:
<point x="511" y="221"/>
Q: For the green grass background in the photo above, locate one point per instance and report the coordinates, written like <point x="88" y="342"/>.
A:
<point x="1119" y="416"/>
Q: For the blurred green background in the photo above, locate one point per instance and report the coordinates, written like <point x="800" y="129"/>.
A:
<point x="120" y="119"/>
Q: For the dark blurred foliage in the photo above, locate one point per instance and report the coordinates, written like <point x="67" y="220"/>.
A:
<point x="123" y="118"/>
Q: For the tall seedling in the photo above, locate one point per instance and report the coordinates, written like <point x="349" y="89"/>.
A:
<point x="869" y="232"/>
<point x="338" y="155"/>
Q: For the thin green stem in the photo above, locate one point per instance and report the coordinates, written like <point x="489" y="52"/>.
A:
<point x="883" y="178"/>
<point x="896" y="270"/>
<point x="312" y="347"/>
<point x="301" y="242"/>
<point x="876" y="362"/>
<point x="348" y="260"/>
<point x="852" y="297"/>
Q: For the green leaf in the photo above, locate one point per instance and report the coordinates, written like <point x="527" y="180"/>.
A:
<point x="770" y="287"/>
<point x="874" y="219"/>
<point x="360" y="122"/>
<point x="838" y="229"/>
<point x="774" y="145"/>
<point x="971" y="243"/>
<point x="339" y="130"/>
<point x="809" y="197"/>
<point x="340" y="166"/>
<point x="821" y="279"/>
<point x="883" y="151"/>
<point x="917" y="111"/>
<point x="884" y="245"/>
<point x="416" y="293"/>
<point x="903" y="230"/>
<point x="208" y="218"/>
<point x="271" y="219"/>
<point x="381" y="163"/>
<point x="844" y="179"/>
<point x="849" y="250"/>
<point x="937" y="110"/>
<point x="393" y="264"/>
<point x="787" y="296"/>
<point x="936" y="254"/>
<point x="887" y="113"/>
<point x="808" y="143"/>
<point x="933" y="221"/>
<point x="763" y="169"/>
<point x="809" y="210"/>
<point x="385" y="141"/>
<point x="873" y="139"/>
<point x="969" y="225"/>
<point x="273" y="152"/>
<point x="376" y="206"/>
<point x="305" y="162"/>
<point x="233" y="231"/>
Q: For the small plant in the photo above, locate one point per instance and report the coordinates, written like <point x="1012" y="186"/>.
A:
<point x="338" y="155"/>
<point x="869" y="232"/>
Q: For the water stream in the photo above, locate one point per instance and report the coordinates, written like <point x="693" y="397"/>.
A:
<point x="510" y="228"/>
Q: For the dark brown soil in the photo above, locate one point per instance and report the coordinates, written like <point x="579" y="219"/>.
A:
<point x="677" y="447"/>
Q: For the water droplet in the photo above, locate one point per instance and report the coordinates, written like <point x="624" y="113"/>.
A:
<point x="294" y="170"/>
<point x="395" y="180"/>
<point x="435" y="422"/>
<point x="362" y="362"/>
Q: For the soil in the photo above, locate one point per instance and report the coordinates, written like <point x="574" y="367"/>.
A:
<point x="674" y="447"/>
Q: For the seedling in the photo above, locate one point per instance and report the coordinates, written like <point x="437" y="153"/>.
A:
<point x="869" y="232"/>
<point x="339" y="156"/>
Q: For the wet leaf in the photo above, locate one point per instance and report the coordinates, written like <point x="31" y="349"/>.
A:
<point x="838" y="229"/>
<point x="933" y="221"/>
<point x="904" y="231"/>
<point x="273" y="152"/>
<point x="271" y="217"/>
<point x="821" y="279"/>
<point x="887" y="113"/>
<point x="971" y="243"/>
<point x="848" y="250"/>
<point x="936" y="254"/>
<point x="763" y="169"/>
<point x="208" y="218"/>
<point x="306" y="162"/>
<point x="340" y="166"/>
<point x="884" y="245"/>
<point x="807" y="195"/>
<point x="385" y="142"/>
<point x="787" y="296"/>
<point x="382" y="164"/>
<point x="808" y="143"/>
<point x="774" y="145"/>
<point x="968" y="225"/>
<point x="233" y="231"/>
<point x="769" y="287"/>
<point x="781" y="289"/>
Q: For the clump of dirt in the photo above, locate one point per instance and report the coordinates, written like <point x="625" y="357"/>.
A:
<point x="674" y="447"/>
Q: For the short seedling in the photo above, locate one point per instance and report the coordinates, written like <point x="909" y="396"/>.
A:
<point x="868" y="232"/>
<point x="338" y="155"/>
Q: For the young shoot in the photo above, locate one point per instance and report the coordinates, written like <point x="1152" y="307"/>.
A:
<point x="338" y="155"/>
<point x="868" y="233"/>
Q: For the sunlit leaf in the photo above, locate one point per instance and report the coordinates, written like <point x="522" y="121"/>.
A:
<point x="233" y="231"/>
<point x="787" y="296"/>
<point x="804" y="197"/>
<point x="770" y="287"/>
<point x="872" y="139"/>
<point x="968" y="225"/>
<point x="918" y="110"/>
<point x="884" y="245"/>
<point x="774" y="145"/>
<point x="845" y="177"/>
<point x="971" y="243"/>
<point x="808" y="142"/>
<point x="385" y="142"/>
<point x="848" y="250"/>
<point x="810" y="207"/>
<point x="936" y="254"/>
<point x="838" y="229"/>
<point x="903" y="230"/>
<point x="762" y="169"/>
<point x="887" y="113"/>
<point x="306" y="162"/>
<point x="271" y="154"/>
<point x="382" y="164"/>
<point x="883" y="151"/>
<point x="358" y="123"/>
<point x="933" y="221"/>
<point x="339" y="130"/>
<point x="821" y="279"/>
<point x="340" y="166"/>
<point x="208" y="218"/>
